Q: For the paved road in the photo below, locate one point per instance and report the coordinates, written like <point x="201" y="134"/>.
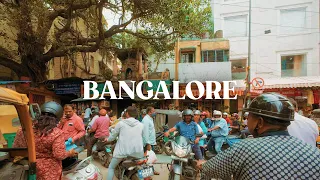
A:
<point x="163" y="160"/>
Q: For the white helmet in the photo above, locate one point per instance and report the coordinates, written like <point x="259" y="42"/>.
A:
<point x="217" y="113"/>
<point x="246" y="114"/>
<point x="225" y="114"/>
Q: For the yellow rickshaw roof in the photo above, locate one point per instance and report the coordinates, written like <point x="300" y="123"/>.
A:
<point x="10" y="96"/>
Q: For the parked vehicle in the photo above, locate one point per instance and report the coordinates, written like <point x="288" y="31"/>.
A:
<point x="168" y="146"/>
<point x="230" y="140"/>
<point x="183" y="163"/>
<point x="159" y="147"/>
<point x="161" y="140"/>
<point x="134" y="169"/>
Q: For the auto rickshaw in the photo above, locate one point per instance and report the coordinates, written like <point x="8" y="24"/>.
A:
<point x="8" y="165"/>
<point x="162" y="124"/>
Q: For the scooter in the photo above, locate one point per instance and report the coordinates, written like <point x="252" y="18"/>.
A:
<point x="80" y="169"/>
<point x="210" y="152"/>
<point x="134" y="169"/>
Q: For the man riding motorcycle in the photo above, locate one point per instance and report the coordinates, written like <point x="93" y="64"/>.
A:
<point x="188" y="129"/>
<point x="204" y="118"/>
<point x="219" y="130"/>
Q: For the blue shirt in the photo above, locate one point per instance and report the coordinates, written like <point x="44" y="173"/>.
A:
<point x="187" y="130"/>
<point x="207" y="122"/>
<point x="222" y="131"/>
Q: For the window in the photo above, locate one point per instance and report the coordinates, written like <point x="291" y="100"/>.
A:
<point x="235" y="26"/>
<point x="187" y="57"/>
<point x="293" y="66"/>
<point x="215" y="56"/>
<point x="238" y="69"/>
<point x="292" y="20"/>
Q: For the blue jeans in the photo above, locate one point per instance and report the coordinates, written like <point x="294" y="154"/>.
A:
<point x="197" y="151"/>
<point x="217" y="142"/>
<point x="113" y="164"/>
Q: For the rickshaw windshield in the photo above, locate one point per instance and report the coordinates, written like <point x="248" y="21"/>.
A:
<point x="10" y="127"/>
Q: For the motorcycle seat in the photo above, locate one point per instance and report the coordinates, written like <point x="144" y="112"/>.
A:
<point x="132" y="161"/>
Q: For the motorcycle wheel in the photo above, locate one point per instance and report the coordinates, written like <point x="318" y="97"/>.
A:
<point x="168" y="148"/>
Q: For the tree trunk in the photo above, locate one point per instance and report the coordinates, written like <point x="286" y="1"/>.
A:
<point x="36" y="69"/>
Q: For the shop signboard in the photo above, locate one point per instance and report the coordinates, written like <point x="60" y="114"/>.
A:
<point x="67" y="88"/>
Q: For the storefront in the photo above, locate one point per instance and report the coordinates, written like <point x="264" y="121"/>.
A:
<point x="303" y="96"/>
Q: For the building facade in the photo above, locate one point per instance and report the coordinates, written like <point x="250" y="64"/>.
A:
<point x="204" y="60"/>
<point x="284" y="44"/>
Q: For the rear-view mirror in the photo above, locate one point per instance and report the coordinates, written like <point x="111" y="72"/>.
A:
<point x="16" y="122"/>
<point x="35" y="111"/>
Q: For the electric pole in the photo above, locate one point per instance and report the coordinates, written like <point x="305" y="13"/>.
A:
<point x="248" y="87"/>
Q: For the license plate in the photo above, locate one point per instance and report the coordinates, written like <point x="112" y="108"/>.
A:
<point x="145" y="172"/>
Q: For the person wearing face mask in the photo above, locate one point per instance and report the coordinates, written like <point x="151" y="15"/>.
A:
<point x="219" y="130"/>
<point x="273" y="153"/>
<point x="149" y="132"/>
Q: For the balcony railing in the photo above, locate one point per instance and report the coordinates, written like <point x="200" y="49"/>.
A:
<point x="206" y="71"/>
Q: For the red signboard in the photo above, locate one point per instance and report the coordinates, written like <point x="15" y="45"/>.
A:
<point x="316" y="96"/>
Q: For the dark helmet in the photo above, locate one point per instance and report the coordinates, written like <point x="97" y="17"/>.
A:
<point x="187" y="112"/>
<point x="53" y="108"/>
<point x="272" y="105"/>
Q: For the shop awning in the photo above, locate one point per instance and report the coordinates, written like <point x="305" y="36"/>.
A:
<point x="82" y="100"/>
<point x="292" y="82"/>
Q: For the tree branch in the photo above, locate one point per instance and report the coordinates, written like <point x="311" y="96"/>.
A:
<point x="14" y="66"/>
<point x="143" y="36"/>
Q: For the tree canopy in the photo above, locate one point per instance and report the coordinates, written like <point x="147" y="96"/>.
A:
<point x="33" y="32"/>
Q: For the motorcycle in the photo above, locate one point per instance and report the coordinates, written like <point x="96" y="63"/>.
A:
<point x="210" y="152"/>
<point x="103" y="151"/>
<point x="183" y="162"/>
<point x="79" y="169"/>
<point x="159" y="147"/>
<point x="134" y="169"/>
<point x="161" y="140"/>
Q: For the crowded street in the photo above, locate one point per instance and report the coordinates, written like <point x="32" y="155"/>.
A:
<point x="159" y="89"/>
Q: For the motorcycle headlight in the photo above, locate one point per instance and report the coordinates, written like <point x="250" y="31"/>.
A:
<point x="180" y="151"/>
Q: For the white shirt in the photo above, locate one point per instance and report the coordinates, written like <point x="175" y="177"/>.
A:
<point x="245" y="122"/>
<point x="149" y="132"/>
<point x="304" y="129"/>
<point x="93" y="120"/>
<point x="87" y="113"/>
<point x="199" y="128"/>
<point x="151" y="157"/>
